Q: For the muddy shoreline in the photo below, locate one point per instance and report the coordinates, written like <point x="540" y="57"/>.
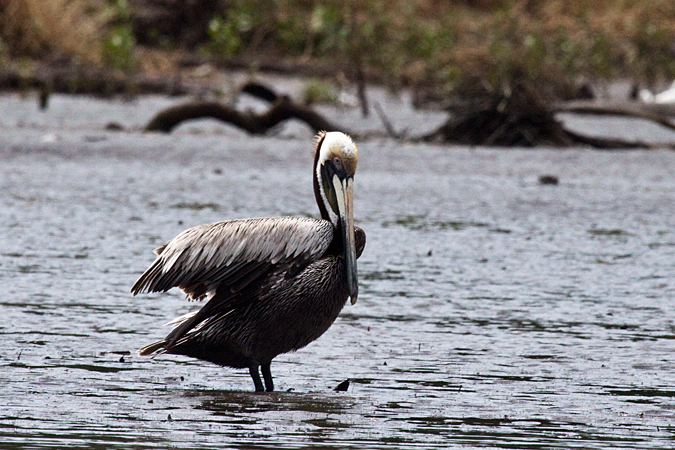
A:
<point x="494" y="311"/>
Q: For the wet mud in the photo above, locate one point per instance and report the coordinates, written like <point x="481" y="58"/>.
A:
<point x="494" y="311"/>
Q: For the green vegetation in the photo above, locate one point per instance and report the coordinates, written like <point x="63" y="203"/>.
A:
<point x="447" y="45"/>
<point x="320" y="91"/>
<point x="118" y="43"/>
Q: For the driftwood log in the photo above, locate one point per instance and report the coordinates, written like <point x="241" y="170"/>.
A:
<point x="281" y="108"/>
<point x="653" y="112"/>
<point x="521" y="117"/>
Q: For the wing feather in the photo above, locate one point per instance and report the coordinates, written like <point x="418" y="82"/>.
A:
<point x="204" y="257"/>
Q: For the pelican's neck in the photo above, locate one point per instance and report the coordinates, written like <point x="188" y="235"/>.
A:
<point x="321" y="200"/>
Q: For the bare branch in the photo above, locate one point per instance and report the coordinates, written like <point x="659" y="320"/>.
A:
<point x="282" y="109"/>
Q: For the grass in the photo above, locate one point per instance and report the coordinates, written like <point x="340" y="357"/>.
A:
<point x="86" y="31"/>
<point x="40" y="28"/>
<point x="446" y="45"/>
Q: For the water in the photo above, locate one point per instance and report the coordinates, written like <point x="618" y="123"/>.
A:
<point x="494" y="312"/>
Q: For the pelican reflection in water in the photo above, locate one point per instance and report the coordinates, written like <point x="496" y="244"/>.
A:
<point x="271" y="285"/>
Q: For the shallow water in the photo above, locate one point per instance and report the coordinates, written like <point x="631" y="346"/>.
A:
<point x="494" y="312"/>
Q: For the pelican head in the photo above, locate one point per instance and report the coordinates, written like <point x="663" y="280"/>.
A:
<point x="335" y="165"/>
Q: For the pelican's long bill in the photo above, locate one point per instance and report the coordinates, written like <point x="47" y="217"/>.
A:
<point x="344" y="190"/>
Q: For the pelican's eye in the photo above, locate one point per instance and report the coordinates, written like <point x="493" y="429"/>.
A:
<point x="338" y="163"/>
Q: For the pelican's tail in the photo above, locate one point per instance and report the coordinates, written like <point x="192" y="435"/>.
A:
<point x="152" y="348"/>
<point x="169" y="341"/>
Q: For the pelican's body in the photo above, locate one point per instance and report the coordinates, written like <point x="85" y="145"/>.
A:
<point x="273" y="285"/>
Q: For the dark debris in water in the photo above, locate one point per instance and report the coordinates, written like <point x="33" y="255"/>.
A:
<point x="325" y="422"/>
<point x="96" y="368"/>
<point x="342" y="387"/>
<point x="539" y="357"/>
<point x="387" y="274"/>
<point x="196" y="206"/>
<point x="30" y="268"/>
<point x="645" y="392"/>
<point x="422" y="222"/>
<point x="114" y="126"/>
<point x="608" y="232"/>
<point x="245" y="403"/>
<point x="550" y="180"/>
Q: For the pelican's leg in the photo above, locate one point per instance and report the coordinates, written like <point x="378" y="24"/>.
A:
<point x="253" y="370"/>
<point x="267" y="375"/>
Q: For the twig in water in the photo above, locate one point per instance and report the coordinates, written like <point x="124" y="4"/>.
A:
<point x="386" y="122"/>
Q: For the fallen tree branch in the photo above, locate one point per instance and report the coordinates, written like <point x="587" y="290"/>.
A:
<point x="283" y="108"/>
<point x="633" y="109"/>
<point x="259" y="91"/>
<point x="514" y="117"/>
<point x="605" y="143"/>
<point x="389" y="128"/>
<point x="520" y="117"/>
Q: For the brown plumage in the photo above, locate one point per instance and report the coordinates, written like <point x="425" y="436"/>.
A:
<point x="273" y="285"/>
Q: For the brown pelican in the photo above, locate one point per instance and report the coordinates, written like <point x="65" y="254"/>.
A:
<point x="273" y="285"/>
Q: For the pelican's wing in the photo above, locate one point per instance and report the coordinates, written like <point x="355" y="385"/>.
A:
<point x="234" y="253"/>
